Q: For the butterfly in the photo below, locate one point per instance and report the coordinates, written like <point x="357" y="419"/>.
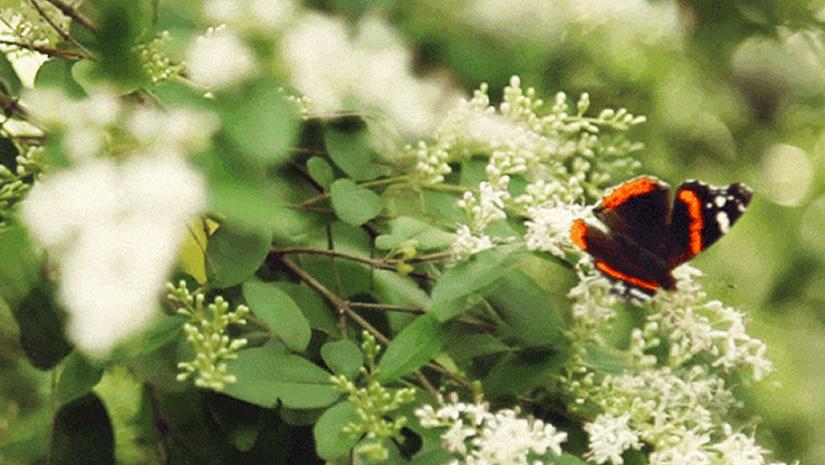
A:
<point x="644" y="234"/>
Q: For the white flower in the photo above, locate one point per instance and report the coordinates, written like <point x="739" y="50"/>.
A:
<point x="114" y="231"/>
<point x="466" y="244"/>
<point x="688" y="451"/>
<point x="594" y="299"/>
<point x="368" y="71"/>
<point x="500" y="438"/>
<point x="258" y="16"/>
<point x="548" y="227"/>
<point x="609" y="437"/>
<point x="739" y="449"/>
<point x="219" y="58"/>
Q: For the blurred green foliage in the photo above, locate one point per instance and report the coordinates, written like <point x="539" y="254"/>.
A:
<point x="721" y="92"/>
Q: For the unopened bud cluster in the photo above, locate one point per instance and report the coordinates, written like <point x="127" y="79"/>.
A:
<point x="374" y="405"/>
<point x="206" y="332"/>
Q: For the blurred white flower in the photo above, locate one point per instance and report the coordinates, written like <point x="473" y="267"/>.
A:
<point x="368" y="70"/>
<point x="219" y="58"/>
<point x="609" y="437"/>
<point x="257" y="16"/>
<point x="114" y="231"/>
<point x="466" y="243"/>
<point x="549" y="21"/>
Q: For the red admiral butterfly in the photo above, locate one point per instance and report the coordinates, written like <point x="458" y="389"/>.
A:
<point x="647" y="235"/>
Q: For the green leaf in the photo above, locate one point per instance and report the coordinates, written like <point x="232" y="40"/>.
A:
<point x="77" y="378"/>
<point x="343" y="357"/>
<point x="405" y="228"/>
<point x="527" y="311"/>
<point x="82" y="433"/>
<point x="259" y="122"/>
<point x="41" y="328"/>
<point x="413" y="347"/>
<point x="354" y="205"/>
<point x="518" y="373"/>
<point x="463" y="346"/>
<point x="19" y="265"/>
<point x="278" y="311"/>
<point x="8" y="76"/>
<point x="331" y="441"/>
<point x="233" y="256"/>
<point x="57" y="73"/>
<point x="352" y="152"/>
<point x="266" y="376"/>
<point x="313" y="306"/>
<point x="470" y="276"/>
<point x="320" y="171"/>
<point x="567" y="459"/>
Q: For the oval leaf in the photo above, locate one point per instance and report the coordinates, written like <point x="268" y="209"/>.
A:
<point x="278" y="311"/>
<point x="472" y="275"/>
<point x="330" y="441"/>
<point x="416" y="345"/>
<point x="354" y="205"/>
<point x="266" y="376"/>
<point x="352" y="152"/>
<point x="320" y="171"/>
<point x="233" y="256"/>
<point x="343" y="357"/>
<point x="77" y="378"/>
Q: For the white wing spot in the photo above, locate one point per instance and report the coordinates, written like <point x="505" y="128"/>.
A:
<point x="720" y="201"/>
<point x="741" y="207"/>
<point x="723" y="221"/>
<point x="708" y="205"/>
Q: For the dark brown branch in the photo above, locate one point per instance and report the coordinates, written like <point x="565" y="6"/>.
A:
<point x="64" y="34"/>
<point x="12" y="107"/>
<point x="73" y="13"/>
<point x="343" y="306"/>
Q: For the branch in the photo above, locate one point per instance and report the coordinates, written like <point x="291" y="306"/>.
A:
<point x="52" y="52"/>
<point x="12" y="107"/>
<point x="379" y="264"/>
<point x="343" y="306"/>
<point x="64" y="34"/>
<point x="73" y="13"/>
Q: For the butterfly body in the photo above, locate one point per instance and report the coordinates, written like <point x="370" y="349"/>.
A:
<point x="645" y="233"/>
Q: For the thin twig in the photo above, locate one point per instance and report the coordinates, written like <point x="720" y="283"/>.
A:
<point x="380" y="264"/>
<point x="73" y="13"/>
<point x="11" y="107"/>
<point x="53" y="52"/>
<point x="342" y="305"/>
<point x="64" y="34"/>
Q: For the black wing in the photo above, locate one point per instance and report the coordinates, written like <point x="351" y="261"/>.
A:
<point x="620" y="259"/>
<point x="701" y="215"/>
<point x="638" y="209"/>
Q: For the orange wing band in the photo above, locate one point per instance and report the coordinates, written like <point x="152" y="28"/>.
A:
<point x="616" y="274"/>
<point x="694" y="206"/>
<point x="623" y="193"/>
<point x="578" y="233"/>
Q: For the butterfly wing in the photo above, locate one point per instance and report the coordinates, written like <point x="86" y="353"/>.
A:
<point x="621" y="259"/>
<point x="701" y="215"/>
<point x="638" y="209"/>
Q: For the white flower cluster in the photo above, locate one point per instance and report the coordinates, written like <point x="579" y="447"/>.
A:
<point x="554" y="152"/>
<point x="260" y="17"/>
<point x="155" y="62"/>
<point x="694" y="326"/>
<point x="91" y="127"/>
<point x="676" y="402"/>
<point x="114" y="227"/>
<point x="477" y="436"/>
<point x="114" y="230"/>
<point x="368" y="71"/>
<point x="219" y="58"/>
<point x="634" y="20"/>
